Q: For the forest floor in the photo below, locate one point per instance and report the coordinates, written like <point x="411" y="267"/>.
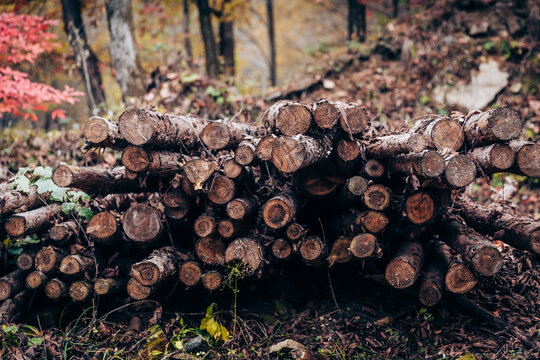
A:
<point x="338" y="313"/>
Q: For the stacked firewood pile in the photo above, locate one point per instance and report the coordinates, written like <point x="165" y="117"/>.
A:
<point x="317" y="183"/>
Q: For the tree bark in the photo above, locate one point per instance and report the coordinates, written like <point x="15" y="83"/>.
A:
<point x="383" y="147"/>
<point x="31" y="221"/>
<point x="93" y="179"/>
<point x="15" y="201"/>
<point x="290" y="154"/>
<point x="161" y="264"/>
<point x="103" y="133"/>
<point x="248" y="252"/>
<point x="431" y="286"/>
<point x="123" y="48"/>
<point x="103" y="228"/>
<point x="280" y="210"/>
<point x="138" y="160"/>
<point x="11" y="284"/>
<point x="426" y="164"/>
<point x="357" y="20"/>
<point x="143" y="225"/>
<point x="63" y="232"/>
<point x="527" y="158"/>
<point x="459" y="279"/>
<point x="226" y="40"/>
<point x="460" y="170"/>
<point x="12" y="309"/>
<point x="271" y="41"/>
<point x="136" y="291"/>
<point x="440" y="133"/>
<point x="210" y="251"/>
<point x="187" y="32"/>
<point x="210" y="48"/>
<point x="403" y="270"/>
<point x="190" y="273"/>
<point x="494" y="158"/>
<point x="496" y="125"/>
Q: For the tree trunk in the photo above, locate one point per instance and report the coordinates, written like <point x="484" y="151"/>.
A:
<point x="86" y="59"/>
<point x="271" y="41"/>
<point x="357" y="20"/>
<point x="143" y="225"/>
<point x="373" y="169"/>
<point x="220" y="190"/>
<point x="210" y="48"/>
<point x="290" y="154"/>
<point x="280" y="210"/>
<point x="176" y="203"/>
<point x="226" y="41"/>
<point x="440" y="133"/>
<point x="31" y="221"/>
<point x="25" y="261"/>
<point x="459" y="279"/>
<point x="138" y="160"/>
<point x="211" y="251"/>
<point x="494" y="158"/>
<point x="353" y="119"/>
<point x="352" y="191"/>
<point x="137" y="291"/>
<point x="108" y="286"/>
<point x="388" y="146"/>
<point x="265" y="146"/>
<point x="395" y="8"/>
<point x="295" y="231"/>
<point x="161" y="264"/>
<point x="246" y="251"/>
<point x="289" y="117"/>
<point x="403" y="270"/>
<point x="496" y="125"/>
<point x="12" y="309"/>
<point x="187" y="33"/>
<point x="103" y="133"/>
<point x="123" y="48"/>
<point x="230" y="228"/>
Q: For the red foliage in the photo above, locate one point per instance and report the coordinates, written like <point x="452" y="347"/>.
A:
<point x="24" y="38"/>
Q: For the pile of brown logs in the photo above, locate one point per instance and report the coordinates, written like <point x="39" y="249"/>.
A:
<point x="315" y="182"/>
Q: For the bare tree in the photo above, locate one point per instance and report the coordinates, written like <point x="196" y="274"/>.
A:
<point x="357" y="20"/>
<point x="226" y="40"/>
<point x="210" y="49"/>
<point x="187" y="35"/>
<point x="271" y="40"/>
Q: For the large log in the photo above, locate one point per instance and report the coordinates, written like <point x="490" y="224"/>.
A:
<point x="353" y="118"/>
<point x="103" y="133"/>
<point x="527" y="158"/>
<point x="11" y="284"/>
<point x="493" y="158"/>
<point x="496" y="125"/>
<point x="234" y="170"/>
<point x="143" y="224"/>
<point x="403" y="270"/>
<point x="289" y="118"/>
<point x="290" y="154"/>
<point x="103" y="228"/>
<point x="441" y="133"/>
<point x="424" y="206"/>
<point x="137" y="159"/>
<point x="16" y="201"/>
<point x="161" y="264"/>
<point x="459" y="279"/>
<point x="388" y="146"/>
<point x="210" y="251"/>
<point x="64" y="232"/>
<point x="48" y="259"/>
<point x="280" y="210"/>
<point x="518" y="231"/>
<point x="77" y="265"/>
<point x="220" y="135"/>
<point x="460" y="170"/>
<point x="248" y="252"/>
<point x="426" y="164"/>
<point x="265" y="146"/>
<point x="93" y="179"/>
<point x="31" y="221"/>
<point x="431" y="286"/>
<point x="325" y="114"/>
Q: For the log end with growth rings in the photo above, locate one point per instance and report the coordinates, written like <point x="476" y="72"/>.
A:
<point x="137" y="291"/>
<point x="135" y="159"/>
<point x="221" y="190"/>
<point x="247" y="252"/>
<point x="136" y="126"/>
<point x="15" y="226"/>
<point x="288" y="155"/>
<point x="142" y="224"/>
<point x="277" y="213"/>
<point x="363" y="245"/>
<point x="459" y="279"/>
<point x="311" y="248"/>
<point x="146" y="273"/>
<point x="448" y="134"/>
<point x="420" y="208"/>
<point x="281" y="249"/>
<point x="528" y="159"/>
<point x="55" y="289"/>
<point x="102" y="227"/>
<point x="460" y="171"/>
<point x="488" y="261"/>
<point x="96" y="130"/>
<point x="190" y="273"/>
<point x="212" y="280"/>
<point x="216" y="135"/>
<point x="63" y="175"/>
<point x="35" y="279"/>
<point x="293" y="119"/>
<point x="25" y="261"/>
<point x="432" y="164"/>
<point x="326" y="115"/>
<point x="505" y="123"/>
<point x="80" y="291"/>
<point x="210" y="251"/>
<point x="501" y="156"/>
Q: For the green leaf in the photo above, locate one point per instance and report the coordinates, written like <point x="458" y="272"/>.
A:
<point x="220" y="100"/>
<point x="21" y="183"/>
<point x="424" y="99"/>
<point x="178" y="344"/>
<point x="44" y="185"/>
<point x="467" y="356"/>
<point x="35" y="341"/>
<point x="39" y="171"/>
<point x="67" y="207"/>
<point x="78" y="195"/>
<point x="15" y="251"/>
<point x="488" y="45"/>
<point x="58" y="193"/>
<point x="85" y="212"/>
<point x="11" y="329"/>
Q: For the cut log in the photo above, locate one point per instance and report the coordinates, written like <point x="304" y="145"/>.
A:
<point x="353" y="118"/>
<point x="377" y="197"/>
<point x="403" y="270"/>
<point x="527" y="158"/>
<point x="32" y="221"/>
<point x="220" y="135"/>
<point x="190" y="273"/>
<point x="352" y="190"/>
<point x="295" y="231"/>
<point x="176" y="203"/>
<point x="325" y="114"/>
<point x="137" y="160"/>
<point x="441" y="133"/>
<point x="247" y="252"/>
<point x="280" y="210"/>
<point x="496" y="125"/>
<point x="340" y="251"/>
<point x="265" y="146"/>
<point x="143" y="225"/>
<point x="289" y="118"/>
<point x="80" y="291"/>
<point x="373" y="221"/>
<point x="64" y="232"/>
<point x="56" y="289"/>
<point x="107" y="286"/>
<point x="161" y="264"/>
<point x="93" y="179"/>
<point x="460" y="170"/>
<point x="103" y="228"/>
<point x="479" y="252"/>
<point x="348" y="151"/>
<point x="518" y="231"/>
<point x="136" y="291"/>
<point x="426" y="164"/>
<point x="373" y="169"/>
<point x="36" y="279"/>
<point x="365" y="245"/>
<point x="25" y="261"/>
<point x="15" y="201"/>
<point x="312" y="250"/>
<point x="206" y="224"/>
<point x="210" y="251"/>
<point x="230" y="228"/>
<point x="242" y="207"/>
<point x="221" y="190"/>
<point x="103" y="133"/>
<point x="388" y="146"/>
<point x="11" y="284"/>
<point x="233" y="170"/>
<point x="290" y="154"/>
<point x="48" y="259"/>
<point x="198" y="171"/>
<point x="246" y="152"/>
<point x="212" y="280"/>
<point x="282" y="249"/>
<point x="493" y="158"/>
<point x="431" y="286"/>
<point x="459" y="279"/>
<point x="76" y="265"/>
<point x="148" y="127"/>
<point x="424" y="206"/>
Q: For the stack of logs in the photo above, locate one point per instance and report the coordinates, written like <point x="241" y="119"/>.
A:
<point x="195" y="198"/>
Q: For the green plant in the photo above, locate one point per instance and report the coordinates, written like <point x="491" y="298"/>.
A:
<point x="424" y="315"/>
<point x="211" y="324"/>
<point x="12" y="335"/>
<point x="236" y="271"/>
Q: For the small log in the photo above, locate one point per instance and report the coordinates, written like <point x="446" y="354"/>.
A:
<point x="496" y="125"/>
<point x="246" y="152"/>
<point x="32" y="221"/>
<point x="242" y="207"/>
<point x="424" y="206"/>
<point x="36" y="279"/>
<point x="92" y="179"/>
<point x="212" y="280"/>
<point x="177" y="204"/>
<point x="64" y="232"/>
<point x="206" y="224"/>
<point x="56" y="289"/>
<point x="312" y="250"/>
<point x="190" y="273"/>
<point x="431" y="286"/>
<point x="12" y="309"/>
<point x="289" y="118"/>
<point x="16" y="202"/>
<point x="373" y="221"/>
<point x="426" y="164"/>
<point x="348" y="151"/>
<point x="527" y="158"/>
<point x="282" y="249"/>
<point x="459" y="279"/>
<point x="80" y="291"/>
<point x="11" y="284"/>
<point x="210" y="251"/>
<point x="352" y="190"/>
<point x="493" y="158"/>
<point x="483" y="256"/>
<point x="137" y="160"/>
<point x="246" y="251"/>
<point x="220" y="135"/>
<point x="103" y="228"/>
<point x="388" y="146"/>
<point x="103" y="133"/>
<point x="290" y="154"/>
<point x="365" y="245"/>
<point x="403" y="270"/>
<point x="161" y="264"/>
<point x="518" y="231"/>
<point x="48" y="259"/>
<point x="198" y="171"/>
<point x="136" y="291"/>
<point x="377" y="197"/>
<point x="25" y="261"/>
<point x="373" y="169"/>
<point x="280" y="210"/>
<point x="221" y="190"/>
<point x="265" y="146"/>
<point x="229" y="228"/>
<point x="460" y="170"/>
<point x="325" y="114"/>
<point x="441" y="133"/>
<point x="295" y="231"/>
<point x="340" y="251"/>
<point x="233" y="170"/>
<point x="143" y="224"/>
<point x="76" y="265"/>
<point x="107" y="286"/>
<point x="353" y="118"/>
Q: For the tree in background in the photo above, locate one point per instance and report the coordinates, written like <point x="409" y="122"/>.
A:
<point x="22" y="39"/>
<point x="226" y="36"/>
<point x="357" y="20"/>
<point x="271" y="40"/>
<point x="187" y="34"/>
<point x="86" y="59"/>
<point x="123" y="48"/>
<point x="210" y="49"/>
